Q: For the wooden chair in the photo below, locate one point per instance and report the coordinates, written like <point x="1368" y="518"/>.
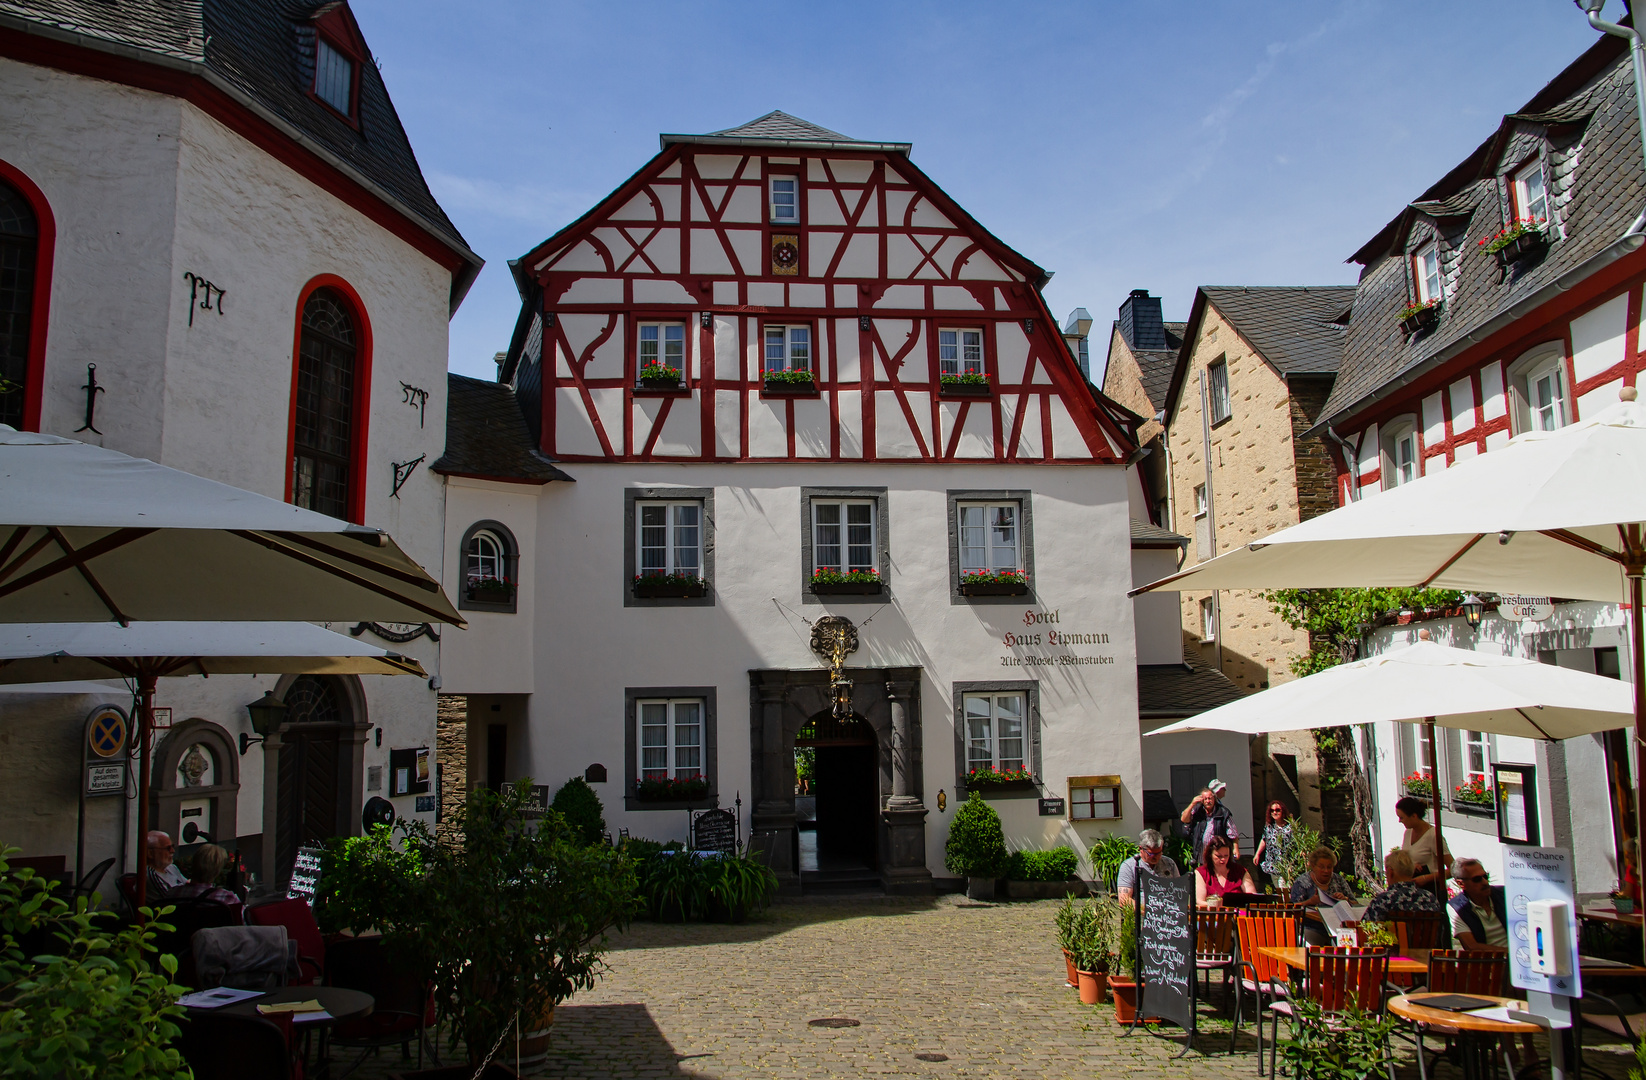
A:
<point x="1453" y="971"/>
<point x="1422" y="930"/>
<point x="1215" y="945"/>
<point x="1295" y="912"/>
<point x="1338" y="980"/>
<point x="1259" y="974"/>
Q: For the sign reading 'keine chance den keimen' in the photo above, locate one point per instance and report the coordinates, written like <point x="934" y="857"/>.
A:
<point x="1043" y="642"/>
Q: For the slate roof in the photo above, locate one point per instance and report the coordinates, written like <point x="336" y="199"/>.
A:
<point x="1173" y="691"/>
<point x="1155" y="366"/>
<point x="486" y="435"/>
<point x="260" y="51"/>
<point x="1297" y="328"/>
<point x="1146" y="535"/>
<point x="779" y="128"/>
<point x="1584" y="121"/>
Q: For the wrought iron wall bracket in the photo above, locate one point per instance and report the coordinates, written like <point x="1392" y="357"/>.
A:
<point x="198" y="286"/>
<point x="402" y="473"/>
<point x="92" y="390"/>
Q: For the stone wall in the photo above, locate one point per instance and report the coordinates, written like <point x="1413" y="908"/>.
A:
<point x="1312" y="461"/>
<point x="1123" y="383"/>
<point x="452" y="755"/>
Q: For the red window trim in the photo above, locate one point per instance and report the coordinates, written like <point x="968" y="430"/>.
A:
<point x="636" y="318"/>
<point x="778" y="320"/>
<point x="352" y="117"/>
<point x="360" y="421"/>
<point x="34" y="376"/>
<point x="1513" y="176"/>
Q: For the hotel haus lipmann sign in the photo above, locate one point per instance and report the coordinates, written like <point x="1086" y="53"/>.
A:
<point x="1044" y="642"/>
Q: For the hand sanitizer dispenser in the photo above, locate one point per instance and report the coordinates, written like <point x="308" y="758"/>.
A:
<point x="1548" y="934"/>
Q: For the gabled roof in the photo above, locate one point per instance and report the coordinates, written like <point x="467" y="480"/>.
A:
<point x="778" y="128"/>
<point x="1155" y="366"/>
<point x="259" y="52"/>
<point x="1587" y="113"/>
<point x="487" y="437"/>
<point x="1174" y="691"/>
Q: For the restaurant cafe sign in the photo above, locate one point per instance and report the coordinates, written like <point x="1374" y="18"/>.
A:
<point x="1525" y="608"/>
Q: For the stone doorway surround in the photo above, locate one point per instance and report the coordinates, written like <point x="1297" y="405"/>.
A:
<point x="781" y="702"/>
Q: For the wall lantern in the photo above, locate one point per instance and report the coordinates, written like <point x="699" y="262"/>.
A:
<point x="267" y="714"/>
<point x="942" y="800"/>
<point x="1473" y="609"/>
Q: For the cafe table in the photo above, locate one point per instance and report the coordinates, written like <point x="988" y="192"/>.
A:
<point x="339" y="1003"/>
<point x="1610" y="914"/>
<point x="1477" y="1036"/>
<point x="1298" y="960"/>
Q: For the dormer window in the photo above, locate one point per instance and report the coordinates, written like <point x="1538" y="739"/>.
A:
<point x="1529" y="194"/>
<point x="1426" y="273"/>
<point x="333" y="77"/>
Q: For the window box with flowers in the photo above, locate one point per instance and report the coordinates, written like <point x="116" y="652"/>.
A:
<point x="796" y="382"/>
<point x="489" y="590"/>
<point x="971" y="384"/>
<point x="987" y="780"/>
<point x="676" y="585"/>
<point x="830" y="582"/>
<point x="1525" y="236"/>
<point x="1419" y="786"/>
<point x="659" y="377"/>
<point x="1475" y="797"/>
<point x="1420" y="317"/>
<point x="672" y="789"/>
<point x="994" y="583"/>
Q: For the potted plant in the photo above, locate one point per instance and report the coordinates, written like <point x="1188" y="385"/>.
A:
<point x="797" y="381"/>
<point x="1622" y="901"/>
<point x="735" y="885"/>
<point x="987" y="778"/>
<point x="1475" y="797"/>
<point x="1419" y="785"/>
<point x="1097" y="926"/>
<point x="829" y="581"/>
<point x="485" y="589"/>
<point x="976" y="848"/>
<point x="1419" y="317"/>
<point x="582" y="809"/>
<point x="1107" y="855"/>
<point x="1043" y="875"/>
<point x="971" y="384"/>
<point x="1343" y="1045"/>
<point x="657" y="584"/>
<point x="1066" y="920"/>
<point x="1124" y="986"/>
<point x="1515" y="241"/>
<point x="994" y="583"/>
<point x="660" y="377"/>
<point x="671" y="788"/>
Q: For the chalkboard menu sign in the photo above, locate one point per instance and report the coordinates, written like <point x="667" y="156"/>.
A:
<point x="715" y="830"/>
<point x="305" y="875"/>
<point x="1166" y="951"/>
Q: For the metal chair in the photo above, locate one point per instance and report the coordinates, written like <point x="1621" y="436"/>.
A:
<point x="1215" y="945"/>
<point x="1260" y="974"/>
<point x="93" y="878"/>
<point x="1623" y="1015"/>
<point x="1453" y="971"/>
<point x="1338" y="979"/>
<point x="403" y="1008"/>
<point x="225" y="1047"/>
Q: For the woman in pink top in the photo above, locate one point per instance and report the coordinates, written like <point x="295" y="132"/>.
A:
<point x="1220" y="874"/>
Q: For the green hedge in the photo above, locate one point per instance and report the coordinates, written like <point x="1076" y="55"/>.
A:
<point x="1058" y="864"/>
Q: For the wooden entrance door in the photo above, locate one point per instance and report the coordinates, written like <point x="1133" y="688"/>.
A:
<point x="312" y="764"/>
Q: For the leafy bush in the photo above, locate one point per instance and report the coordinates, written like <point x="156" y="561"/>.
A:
<point x="676" y="884"/>
<point x="1107" y="855"/>
<point x="1094" y="930"/>
<point x="1348" y="1045"/>
<point x="1125" y="942"/>
<point x="365" y="882"/>
<point x="581" y="808"/>
<point x="92" y="1007"/>
<point x="1180" y="851"/>
<point x="976" y="845"/>
<point x="737" y="885"/>
<point x="1295" y="863"/>
<point x="1058" y="864"/>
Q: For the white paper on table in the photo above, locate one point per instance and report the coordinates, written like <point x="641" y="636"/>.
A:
<point x="1497" y="1012"/>
<point x="309" y="1017"/>
<point x="216" y="999"/>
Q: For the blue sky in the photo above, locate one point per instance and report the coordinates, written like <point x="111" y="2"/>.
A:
<point x="1121" y="145"/>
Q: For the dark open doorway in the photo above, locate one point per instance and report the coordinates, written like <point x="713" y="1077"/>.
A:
<point x="841" y="843"/>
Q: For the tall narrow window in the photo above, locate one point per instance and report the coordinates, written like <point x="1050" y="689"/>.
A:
<point x="1537" y="389"/>
<point x="960" y="352"/>
<point x="989" y="540"/>
<point x="19" y="237"/>
<point x="1208" y="619"/>
<point x="1426" y="274"/>
<point x="995" y="732"/>
<point x="663" y="344"/>
<point x="785" y="200"/>
<point x="1217" y="388"/>
<point x="333" y="77"/>
<point x="788" y="348"/>
<point x="1476" y="757"/>
<point x="1400" y="460"/>
<point x="669" y="538"/>
<point x="324" y="449"/>
<point x="671" y="739"/>
<point x="1531" y="197"/>
<point x="843" y="535"/>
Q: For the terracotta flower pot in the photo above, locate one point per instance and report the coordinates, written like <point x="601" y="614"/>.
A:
<point x="1073" y="976"/>
<point x="1125" y="1000"/>
<point x="1092" y="985"/>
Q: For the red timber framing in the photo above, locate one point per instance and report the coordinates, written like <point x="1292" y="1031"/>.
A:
<point x="1473" y="411"/>
<point x="883" y="261"/>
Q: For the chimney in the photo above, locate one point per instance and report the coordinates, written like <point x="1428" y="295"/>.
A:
<point x="1140" y="321"/>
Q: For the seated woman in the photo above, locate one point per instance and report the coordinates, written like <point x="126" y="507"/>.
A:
<point x="1220" y="874"/>
<point x="1322" y="886"/>
<point x="1403" y="894"/>
<point x="202" y="886"/>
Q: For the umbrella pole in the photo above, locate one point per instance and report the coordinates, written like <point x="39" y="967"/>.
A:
<point x="1439" y="885"/>
<point x="145" y="718"/>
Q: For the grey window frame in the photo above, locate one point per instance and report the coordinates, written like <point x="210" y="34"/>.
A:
<point x="1221" y="364"/>
<point x="632" y="696"/>
<point x="1025" y="513"/>
<point x="667" y="494"/>
<point x="1030" y="688"/>
<point x="882" y="540"/>
<point x="511" y="559"/>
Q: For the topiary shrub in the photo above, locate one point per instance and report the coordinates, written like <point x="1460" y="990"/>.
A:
<point x="977" y="844"/>
<point x="580" y="806"/>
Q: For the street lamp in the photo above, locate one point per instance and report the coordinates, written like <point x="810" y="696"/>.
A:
<point x="1474" y="608"/>
<point x="267" y="714"/>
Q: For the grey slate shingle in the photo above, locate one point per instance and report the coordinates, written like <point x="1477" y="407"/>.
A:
<point x="1146" y="535"/>
<point x="1295" y="327"/>
<point x="1173" y="691"/>
<point x="486" y="435"/>
<point x="778" y="124"/>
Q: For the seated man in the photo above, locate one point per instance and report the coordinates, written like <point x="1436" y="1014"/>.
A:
<point x="164" y="875"/>
<point x="1148" y="860"/>
<point x="1403" y="894"/>
<point x="1480" y="918"/>
<point x="1322" y="886"/>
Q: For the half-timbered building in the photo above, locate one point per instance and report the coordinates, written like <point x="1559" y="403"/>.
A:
<point x="799" y="392"/>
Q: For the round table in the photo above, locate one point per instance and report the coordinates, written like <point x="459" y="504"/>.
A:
<point x="1476" y="1035"/>
<point x="341" y="1004"/>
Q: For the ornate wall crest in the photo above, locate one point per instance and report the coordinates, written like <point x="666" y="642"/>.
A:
<point x="397" y="632"/>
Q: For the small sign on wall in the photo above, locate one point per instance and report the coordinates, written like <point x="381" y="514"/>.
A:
<point x="409" y="771"/>
<point x="425" y="804"/>
<point x="1051" y="807"/>
<point x="105" y="779"/>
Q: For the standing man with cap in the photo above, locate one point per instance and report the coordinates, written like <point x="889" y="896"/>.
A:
<point x="1206" y="817"/>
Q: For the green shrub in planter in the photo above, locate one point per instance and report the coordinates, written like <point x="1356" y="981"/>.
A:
<point x="365" y="883"/>
<point x="977" y="845"/>
<point x="1107" y="855"/>
<point x="1058" y="864"/>
<point x="1349" y="1045"/>
<point x="581" y="808"/>
<point x="737" y="885"/>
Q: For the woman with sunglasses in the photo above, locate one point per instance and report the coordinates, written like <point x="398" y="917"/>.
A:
<point x="1276" y="843"/>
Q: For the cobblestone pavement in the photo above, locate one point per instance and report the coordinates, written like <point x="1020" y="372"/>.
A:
<point x="981" y="984"/>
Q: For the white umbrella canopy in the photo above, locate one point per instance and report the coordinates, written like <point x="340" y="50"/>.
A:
<point x="1456" y="688"/>
<point x="1548" y="514"/>
<point x="88" y="533"/>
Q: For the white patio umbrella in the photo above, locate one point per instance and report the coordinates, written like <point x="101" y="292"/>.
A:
<point x="1557" y="513"/>
<point x="1435" y="686"/>
<point x="88" y="533"/>
<point x="145" y="652"/>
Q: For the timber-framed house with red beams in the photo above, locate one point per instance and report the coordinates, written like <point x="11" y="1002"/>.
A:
<point x="1506" y="299"/>
<point x="792" y="379"/>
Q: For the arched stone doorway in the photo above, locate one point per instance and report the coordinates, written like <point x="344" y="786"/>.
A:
<point x="887" y="701"/>
<point x="312" y="769"/>
<point x="846" y="790"/>
<point x="196" y="785"/>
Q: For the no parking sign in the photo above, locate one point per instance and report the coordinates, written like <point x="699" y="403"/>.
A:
<point x="107" y="731"/>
